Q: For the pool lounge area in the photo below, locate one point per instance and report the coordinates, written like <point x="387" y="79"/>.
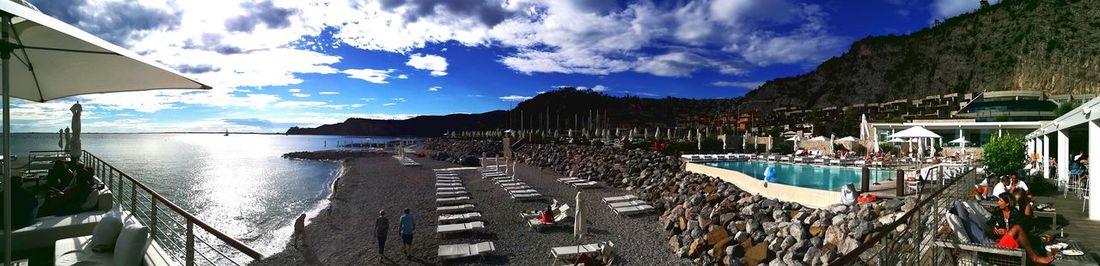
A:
<point x="819" y="177"/>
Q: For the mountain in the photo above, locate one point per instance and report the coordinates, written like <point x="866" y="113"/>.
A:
<point x="420" y="126"/>
<point x="1041" y="45"/>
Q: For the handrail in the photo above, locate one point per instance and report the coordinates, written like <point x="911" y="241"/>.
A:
<point x="186" y="215"/>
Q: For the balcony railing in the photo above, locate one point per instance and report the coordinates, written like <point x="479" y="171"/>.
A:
<point x="171" y="226"/>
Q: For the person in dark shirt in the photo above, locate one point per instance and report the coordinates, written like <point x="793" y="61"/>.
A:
<point x="1006" y="223"/>
<point x="69" y="200"/>
<point x="23" y="206"/>
<point x="381" y="228"/>
<point x="58" y="176"/>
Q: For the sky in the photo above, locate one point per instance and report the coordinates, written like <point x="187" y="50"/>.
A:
<point x="274" y="64"/>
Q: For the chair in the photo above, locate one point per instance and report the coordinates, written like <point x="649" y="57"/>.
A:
<point x="570" y="180"/>
<point x="449" y="188"/>
<point x="569" y="252"/>
<point x="634" y="209"/>
<point x="462" y="227"/>
<point x="456" y="251"/>
<point x="526" y="196"/>
<point x="538" y="225"/>
<point x="450" y="218"/>
<point x="582" y="185"/>
<point x="454" y="208"/>
<point x="625" y="203"/>
<point x="451" y="200"/>
<point x="450" y="193"/>
<point x="619" y="198"/>
<point x="523" y="191"/>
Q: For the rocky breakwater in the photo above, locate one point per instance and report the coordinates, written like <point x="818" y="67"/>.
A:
<point x="455" y="150"/>
<point x="710" y="221"/>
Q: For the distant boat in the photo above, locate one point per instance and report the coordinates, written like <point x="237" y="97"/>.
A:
<point x="227" y="132"/>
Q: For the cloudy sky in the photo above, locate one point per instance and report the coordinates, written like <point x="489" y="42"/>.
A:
<point x="275" y="64"/>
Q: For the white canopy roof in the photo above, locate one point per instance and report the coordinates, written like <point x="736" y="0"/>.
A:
<point x="68" y="61"/>
<point x="915" y="132"/>
<point x="959" y="140"/>
<point x="848" y="138"/>
<point x="895" y="140"/>
<point x="820" y="138"/>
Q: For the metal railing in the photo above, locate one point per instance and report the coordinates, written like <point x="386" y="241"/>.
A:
<point x="173" y="228"/>
<point x="909" y="240"/>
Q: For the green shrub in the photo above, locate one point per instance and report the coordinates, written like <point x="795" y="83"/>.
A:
<point x="1004" y="155"/>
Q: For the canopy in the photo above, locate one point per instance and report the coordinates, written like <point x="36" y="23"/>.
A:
<point x="848" y="138"/>
<point x="66" y="62"/>
<point x="895" y="140"/>
<point x="915" y="132"/>
<point x="960" y="140"/>
<point x="820" y="138"/>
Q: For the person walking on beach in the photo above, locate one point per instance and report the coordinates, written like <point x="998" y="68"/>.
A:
<point x="381" y="228"/>
<point x="407" y="226"/>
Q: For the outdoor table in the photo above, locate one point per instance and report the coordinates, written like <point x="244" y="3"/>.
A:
<point x="1053" y="215"/>
<point x="1086" y="259"/>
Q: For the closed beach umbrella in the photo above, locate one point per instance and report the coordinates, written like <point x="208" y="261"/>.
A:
<point x="60" y="138"/>
<point x="68" y="139"/>
<point x="578" y="225"/>
<point x="74" y="151"/>
<point x="67" y="61"/>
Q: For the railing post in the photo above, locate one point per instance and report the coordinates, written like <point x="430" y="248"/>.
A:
<point x="153" y="217"/>
<point x="133" y="195"/>
<point x="190" y="246"/>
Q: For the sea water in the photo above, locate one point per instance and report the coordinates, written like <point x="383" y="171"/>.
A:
<point x="239" y="183"/>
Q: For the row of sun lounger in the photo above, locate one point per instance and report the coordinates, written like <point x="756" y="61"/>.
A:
<point x="579" y="183"/>
<point x="406" y="161"/>
<point x="517" y="189"/>
<point x="457" y="215"/>
<point x="628" y="205"/>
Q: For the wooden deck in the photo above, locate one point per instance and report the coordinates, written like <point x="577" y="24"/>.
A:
<point x="1073" y="222"/>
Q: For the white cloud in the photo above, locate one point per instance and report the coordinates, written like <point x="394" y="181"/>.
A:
<point x="300" y="95"/>
<point x="514" y="98"/>
<point x="389" y="104"/>
<point x="942" y="9"/>
<point x="367" y="99"/>
<point x="436" y="64"/>
<point x="752" y="85"/>
<point x="294" y="90"/>
<point x="371" y="75"/>
<point x="436" y="88"/>
<point x="599" y="88"/>
<point x="402" y="76"/>
<point x="328" y="93"/>
<point x="399" y="99"/>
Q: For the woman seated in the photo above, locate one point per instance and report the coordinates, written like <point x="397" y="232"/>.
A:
<point x="68" y="201"/>
<point x="1006" y="224"/>
<point x="547" y="215"/>
<point x="58" y="176"/>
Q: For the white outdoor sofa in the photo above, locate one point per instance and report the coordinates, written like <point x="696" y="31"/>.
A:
<point x="45" y="230"/>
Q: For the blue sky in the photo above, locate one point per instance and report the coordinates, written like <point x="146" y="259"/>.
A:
<point x="275" y="64"/>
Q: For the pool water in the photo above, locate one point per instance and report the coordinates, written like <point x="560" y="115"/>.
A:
<point x="807" y="176"/>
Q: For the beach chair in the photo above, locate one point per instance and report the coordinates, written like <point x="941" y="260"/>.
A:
<point x="517" y="187"/>
<point x="492" y="175"/>
<point x="568" y="180"/>
<point x="619" y="198"/>
<point x="819" y="160"/>
<point x="455" y="208"/>
<point x="457" y="251"/>
<point x="451" y="193"/>
<point x="525" y="197"/>
<point x="583" y="185"/>
<point x="448" y="178"/>
<point x="834" y="162"/>
<point x="446" y="174"/>
<point x="798" y="159"/>
<point x="512" y="183"/>
<point x="452" y="200"/>
<point x="522" y="191"/>
<point x="626" y="203"/>
<point x="568" y="253"/>
<point x="537" y="224"/>
<point x="632" y="210"/>
<point x="503" y="179"/>
<point x="448" y="184"/>
<point x="449" y="188"/>
<point x="460" y="217"/>
<point x="785" y="159"/>
<point x="457" y="228"/>
<point x="564" y="208"/>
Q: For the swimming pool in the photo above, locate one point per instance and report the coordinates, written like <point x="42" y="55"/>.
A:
<point x="807" y="176"/>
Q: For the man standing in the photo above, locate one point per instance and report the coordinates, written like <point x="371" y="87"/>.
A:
<point x="381" y="228"/>
<point x="407" y="226"/>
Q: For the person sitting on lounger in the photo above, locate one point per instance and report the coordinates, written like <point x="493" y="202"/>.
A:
<point x="547" y="215"/>
<point x="69" y="200"/>
<point x="58" y="175"/>
<point x="1006" y="223"/>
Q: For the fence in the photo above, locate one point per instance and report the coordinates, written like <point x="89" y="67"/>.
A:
<point x="171" y="226"/>
<point x="911" y="239"/>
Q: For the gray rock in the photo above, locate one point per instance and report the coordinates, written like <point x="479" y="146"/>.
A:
<point x="674" y="242"/>
<point x="838" y="208"/>
<point x="787" y="243"/>
<point x="770" y="227"/>
<point x="827" y="256"/>
<point x="797" y="231"/>
<point x="848" y="245"/>
<point x="815" y="242"/>
<point x="780" y="216"/>
<point x="834" y="235"/>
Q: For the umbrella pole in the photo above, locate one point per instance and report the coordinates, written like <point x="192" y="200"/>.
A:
<point x="5" y="55"/>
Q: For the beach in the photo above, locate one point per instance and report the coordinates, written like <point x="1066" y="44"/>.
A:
<point x="342" y="234"/>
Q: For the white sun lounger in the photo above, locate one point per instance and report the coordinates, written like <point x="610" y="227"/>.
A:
<point x="448" y="184"/>
<point x="452" y="200"/>
<point x="456" y="208"/>
<point x="589" y="184"/>
<point x="798" y="159"/>
<point x="503" y="178"/>
<point x="461" y="217"/>
<point x="530" y="196"/>
<point x="450" y="188"/>
<point x="446" y="174"/>
<point x="568" y="180"/>
<point x="564" y="208"/>
<point x="819" y="160"/>
<point x="631" y="210"/>
<point x="457" y="251"/>
<point x="625" y="203"/>
<point x="450" y="193"/>
<point x="523" y="191"/>
<point x="462" y="227"/>
<point x="517" y="187"/>
<point x="619" y="198"/>
<point x="538" y="225"/>
<point x="570" y="252"/>
<point x="513" y="183"/>
<point x="448" y="178"/>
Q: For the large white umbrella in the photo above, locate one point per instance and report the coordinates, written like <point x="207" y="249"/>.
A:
<point x="915" y="132"/>
<point x="819" y="138"/>
<point x="848" y="138"/>
<point x="66" y="62"/>
<point x="578" y="223"/>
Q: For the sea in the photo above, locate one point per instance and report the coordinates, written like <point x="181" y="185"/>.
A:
<point x="239" y="183"/>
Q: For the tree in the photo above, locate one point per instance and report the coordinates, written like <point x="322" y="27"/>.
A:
<point x="1004" y="155"/>
<point x="1066" y="107"/>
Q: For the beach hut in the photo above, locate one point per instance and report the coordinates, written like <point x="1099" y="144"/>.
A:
<point x="67" y="61"/>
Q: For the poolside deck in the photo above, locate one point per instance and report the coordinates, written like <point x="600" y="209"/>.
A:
<point x="1074" y="222"/>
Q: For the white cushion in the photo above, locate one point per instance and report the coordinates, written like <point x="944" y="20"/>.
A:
<point x="131" y="245"/>
<point x="91" y="201"/>
<point x="75" y="251"/>
<point x="956" y="225"/>
<point x="47" y="229"/>
<point x="106" y="232"/>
